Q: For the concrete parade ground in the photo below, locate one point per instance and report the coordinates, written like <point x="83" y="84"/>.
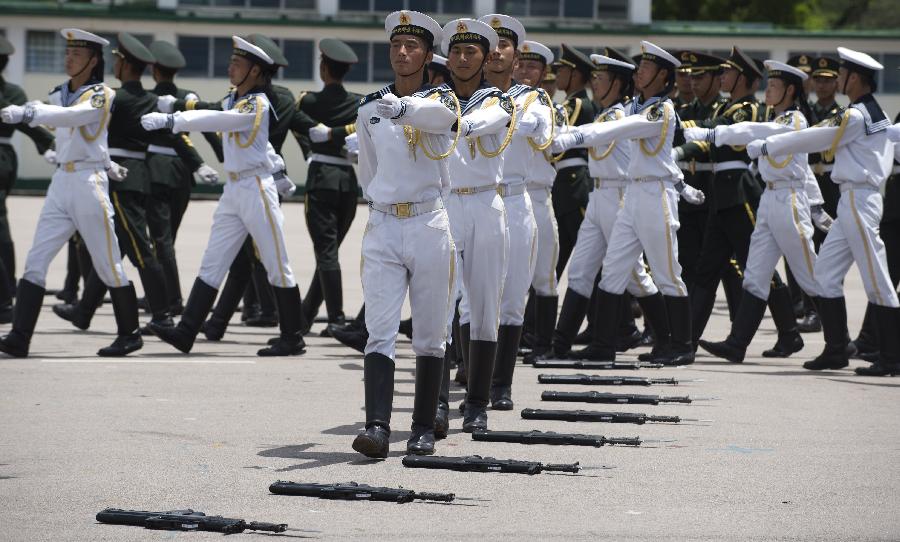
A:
<point x="789" y="454"/>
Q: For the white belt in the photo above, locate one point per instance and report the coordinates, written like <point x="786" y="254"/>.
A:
<point x="846" y="187"/>
<point x="5" y="141"/>
<point x="821" y="168"/>
<point x="506" y="190"/>
<point x="467" y="190"/>
<point x="125" y="153"/>
<point x="609" y="183"/>
<point x="254" y="172"/>
<point x="408" y="209"/>
<point x="326" y="159"/>
<point x="787" y="183"/>
<point x="156" y="149"/>
<point x="655" y="180"/>
<point x="731" y="164"/>
<point x="538" y="187"/>
<point x="81" y="165"/>
<point x="570" y="162"/>
<point x="694" y="166"/>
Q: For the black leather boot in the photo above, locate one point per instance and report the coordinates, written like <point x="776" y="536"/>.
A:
<point x="865" y="346"/>
<point x="501" y="384"/>
<point x="268" y="310"/>
<point x="124" y="302"/>
<point x="681" y="348"/>
<point x="406" y="328"/>
<point x="703" y="299"/>
<point x="312" y="301"/>
<point x="82" y="312"/>
<point x="200" y="302"/>
<point x="657" y="319"/>
<point x="746" y="322"/>
<point x="545" y="308"/>
<point x="836" y="355"/>
<point x="442" y="415"/>
<point x="572" y="313"/>
<point x="8" y="256"/>
<point x="887" y="319"/>
<point x="809" y="322"/>
<point x="733" y="285"/>
<point x="290" y="343"/>
<point x="462" y="369"/>
<point x="378" y="371"/>
<point x="429" y="373"/>
<point x="789" y="339"/>
<point x="29" y="298"/>
<point x="628" y="335"/>
<point x="481" y="368"/>
<point x="332" y="289"/>
<point x="173" y="286"/>
<point x="229" y="299"/>
<point x="154" y="282"/>
<point x="606" y="324"/>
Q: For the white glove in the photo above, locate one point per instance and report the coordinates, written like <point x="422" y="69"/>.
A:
<point x="50" y="156"/>
<point x="529" y="124"/>
<point x="157" y="121"/>
<point x="699" y="134"/>
<point x="207" y="175"/>
<point x="12" y="114"/>
<point x="284" y="184"/>
<point x="564" y="142"/>
<point x="893" y="132"/>
<point x="754" y="148"/>
<point x="352" y="143"/>
<point x="165" y="104"/>
<point x="116" y="172"/>
<point x="690" y="194"/>
<point x="821" y="219"/>
<point x="319" y="133"/>
<point x="389" y="107"/>
<point x="677" y="154"/>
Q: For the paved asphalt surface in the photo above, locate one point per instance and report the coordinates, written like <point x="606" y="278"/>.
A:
<point x="790" y="455"/>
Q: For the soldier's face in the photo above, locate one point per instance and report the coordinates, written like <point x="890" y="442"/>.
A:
<point x="825" y="87"/>
<point x="76" y="60"/>
<point x="530" y="72"/>
<point x="683" y="82"/>
<point x="600" y="84"/>
<point x="564" y="77"/>
<point x="502" y="57"/>
<point x="776" y="92"/>
<point x="408" y="54"/>
<point x="729" y="78"/>
<point x="465" y="60"/>
<point x="238" y="69"/>
<point x="700" y="83"/>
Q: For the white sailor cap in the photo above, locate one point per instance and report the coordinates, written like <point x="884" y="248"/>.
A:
<point x="855" y="60"/>
<point x="438" y="59"/>
<point x="654" y="53"/>
<point x="532" y="50"/>
<point x="80" y="38"/>
<point x="244" y="48"/>
<point x="780" y="70"/>
<point x="413" y="23"/>
<point x="605" y="63"/>
<point x="469" y="31"/>
<point x="506" y="27"/>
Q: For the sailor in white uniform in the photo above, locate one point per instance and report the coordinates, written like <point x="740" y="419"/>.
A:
<point x="249" y="202"/>
<point x="78" y="197"/>
<point x="863" y="156"/>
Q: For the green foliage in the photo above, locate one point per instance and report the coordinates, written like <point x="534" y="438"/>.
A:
<point x="803" y="14"/>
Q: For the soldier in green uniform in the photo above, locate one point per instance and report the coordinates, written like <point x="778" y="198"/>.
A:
<point x="172" y="161"/>
<point x="11" y="94"/>
<point x="685" y="91"/>
<point x="128" y="147"/>
<point x="734" y="194"/>
<point x="331" y="186"/>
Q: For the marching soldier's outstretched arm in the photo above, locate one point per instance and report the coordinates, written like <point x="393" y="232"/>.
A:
<point x="368" y="162"/>
<point x="818" y="138"/>
<point x="745" y="132"/>
<point x="41" y="137"/>
<point x="426" y="114"/>
<point x="490" y="120"/>
<point x="630" y="127"/>
<point x="84" y="113"/>
<point x="213" y="121"/>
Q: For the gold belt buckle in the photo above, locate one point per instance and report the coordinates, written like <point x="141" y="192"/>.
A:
<point x="465" y="190"/>
<point x="819" y="168"/>
<point x="693" y="167"/>
<point x="598" y="184"/>
<point x="69" y="167"/>
<point x="233" y="176"/>
<point x="501" y="190"/>
<point x="771" y="185"/>
<point x="403" y="210"/>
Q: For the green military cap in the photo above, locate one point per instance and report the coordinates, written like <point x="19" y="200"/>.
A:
<point x="6" y="48"/>
<point x="132" y="47"/>
<point x="702" y="63"/>
<point x="337" y="51"/>
<point x="167" y="55"/>
<point x="744" y="64"/>
<point x="270" y="47"/>
<point x="801" y="62"/>
<point x="826" y="67"/>
<point x="576" y="60"/>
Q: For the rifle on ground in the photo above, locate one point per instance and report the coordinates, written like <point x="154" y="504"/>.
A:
<point x="607" y="417"/>
<point x="603" y="380"/>
<point x="184" y="520"/>
<point x="549" y="437"/>
<point x="351" y="491"/>
<point x="476" y="463"/>
<point x="617" y="398"/>
<point x="593" y="365"/>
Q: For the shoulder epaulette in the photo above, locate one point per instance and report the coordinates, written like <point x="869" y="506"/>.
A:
<point x="374" y="96"/>
<point x="518" y="89"/>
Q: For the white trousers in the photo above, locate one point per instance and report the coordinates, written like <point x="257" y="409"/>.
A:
<point x="593" y="239"/>
<point x="478" y="226"/>
<point x="783" y="227"/>
<point x="648" y="222"/>
<point x="417" y="255"/>
<point x="854" y="238"/>
<point x="248" y="205"/>
<point x="522" y="234"/>
<point x="546" y="256"/>
<point x="77" y="201"/>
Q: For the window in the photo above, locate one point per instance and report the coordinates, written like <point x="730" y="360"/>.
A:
<point x="359" y="72"/>
<point x="570" y="9"/>
<point x="262" y="4"/>
<point x="610" y="9"/>
<point x="300" y="55"/>
<point x="374" y="63"/>
<point x="196" y="52"/>
<point x="44" y="52"/>
<point x="891" y="76"/>
<point x="460" y="7"/>
<point x="210" y="56"/>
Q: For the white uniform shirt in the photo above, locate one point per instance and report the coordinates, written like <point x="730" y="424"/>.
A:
<point x="862" y="151"/>
<point x="542" y="171"/>
<point x="610" y="161"/>
<point x="82" y="118"/>
<point x="244" y="123"/>
<point x="485" y="120"/>
<point x="519" y="157"/>
<point x="393" y="166"/>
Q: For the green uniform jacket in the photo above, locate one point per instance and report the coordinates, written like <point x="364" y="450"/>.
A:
<point x="699" y="151"/>
<point x="11" y="94"/>
<point x="831" y="192"/>
<point x="180" y="142"/>
<point x="892" y="194"/>
<point x="579" y="110"/>
<point x="125" y="132"/>
<point x="335" y="107"/>
<point x="730" y="187"/>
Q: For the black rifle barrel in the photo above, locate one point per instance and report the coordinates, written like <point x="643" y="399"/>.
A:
<point x="549" y="437"/>
<point x="611" y="398"/>
<point x="594" y="416"/>
<point x="475" y="463"/>
<point x="184" y="520"/>
<point x="352" y="491"/>
<point x="603" y="380"/>
<point x="593" y="365"/>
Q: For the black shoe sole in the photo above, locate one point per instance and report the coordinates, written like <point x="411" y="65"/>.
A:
<point x="502" y="405"/>
<point x="419" y="451"/>
<point x="369" y="447"/>
<point x="107" y="353"/>
<point x="780" y="352"/>
<point x="721" y="354"/>
<point x="830" y="367"/>
<point x="12" y="352"/>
